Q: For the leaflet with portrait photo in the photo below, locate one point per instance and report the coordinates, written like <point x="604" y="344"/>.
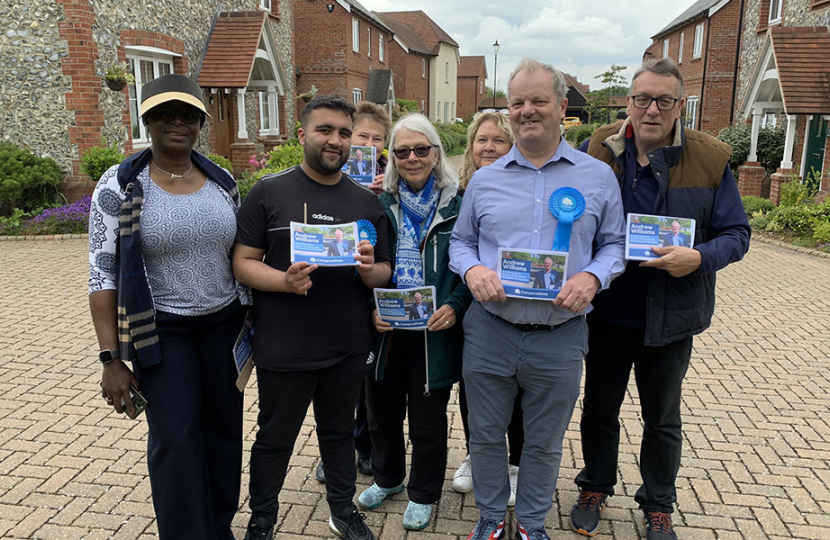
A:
<point x="406" y="309"/>
<point x="644" y="232"/>
<point x="532" y="274"/>
<point x="325" y="245"/>
<point x="362" y="164"/>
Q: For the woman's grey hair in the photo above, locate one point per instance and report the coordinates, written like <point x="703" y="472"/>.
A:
<point x="444" y="174"/>
<point x="560" y="89"/>
<point x="664" y="67"/>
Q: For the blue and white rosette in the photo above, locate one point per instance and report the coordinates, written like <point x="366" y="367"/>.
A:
<point x="366" y="231"/>
<point x="567" y="205"/>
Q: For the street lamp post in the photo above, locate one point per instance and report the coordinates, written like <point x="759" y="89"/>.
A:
<point x="495" y="70"/>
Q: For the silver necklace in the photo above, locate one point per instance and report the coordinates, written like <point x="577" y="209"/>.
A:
<point x="153" y="163"/>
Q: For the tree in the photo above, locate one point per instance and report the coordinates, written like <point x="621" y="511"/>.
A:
<point x="599" y="101"/>
<point x="488" y="92"/>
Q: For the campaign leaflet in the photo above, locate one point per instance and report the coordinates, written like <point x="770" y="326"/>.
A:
<point x="532" y="274"/>
<point x="644" y="231"/>
<point x="362" y="164"/>
<point x="325" y="245"/>
<point x="406" y="309"/>
<point x="243" y="351"/>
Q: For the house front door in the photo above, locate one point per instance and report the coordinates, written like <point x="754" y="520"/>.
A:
<point x="816" y="142"/>
<point x="220" y="110"/>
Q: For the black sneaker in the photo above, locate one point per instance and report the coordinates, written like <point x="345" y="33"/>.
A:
<point x="538" y="533"/>
<point x="259" y="529"/>
<point x="350" y="525"/>
<point x="658" y="526"/>
<point x="320" y="473"/>
<point x="487" y="529"/>
<point x="364" y="463"/>
<point x="586" y="512"/>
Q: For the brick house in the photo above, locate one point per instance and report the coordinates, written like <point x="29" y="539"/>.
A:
<point x="472" y="73"/>
<point x="55" y="102"/>
<point x="420" y="38"/>
<point x="785" y="77"/>
<point x="342" y="48"/>
<point x="703" y="40"/>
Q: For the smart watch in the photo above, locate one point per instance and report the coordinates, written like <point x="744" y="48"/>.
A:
<point x="108" y="355"/>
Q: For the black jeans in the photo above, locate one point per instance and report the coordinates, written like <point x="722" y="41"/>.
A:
<point x="402" y="386"/>
<point x="659" y="373"/>
<point x="194" y="415"/>
<point x="284" y="397"/>
<point x="515" y="430"/>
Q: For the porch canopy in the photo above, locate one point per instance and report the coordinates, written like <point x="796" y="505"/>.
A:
<point x="792" y="75"/>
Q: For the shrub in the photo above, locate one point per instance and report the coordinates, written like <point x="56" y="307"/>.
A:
<point x="96" y="160"/>
<point x="409" y="105"/>
<point x="770" y="145"/>
<point x="222" y="161"/>
<point x="753" y="205"/>
<point x="285" y="156"/>
<point x="578" y="134"/>
<point x="27" y="181"/>
<point x="759" y="222"/>
<point x="822" y="233"/>
<point x="67" y="219"/>
<point x="794" y="192"/>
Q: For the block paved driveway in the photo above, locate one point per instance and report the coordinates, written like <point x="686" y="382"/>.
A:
<point x="756" y="413"/>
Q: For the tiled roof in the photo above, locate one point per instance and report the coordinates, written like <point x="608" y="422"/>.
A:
<point x="571" y="82"/>
<point x="802" y="56"/>
<point x="698" y="9"/>
<point x="405" y="33"/>
<point x="472" y="66"/>
<point x="231" y="50"/>
<point x="430" y="33"/>
<point x="377" y="89"/>
<point x="487" y="103"/>
<point x="368" y="14"/>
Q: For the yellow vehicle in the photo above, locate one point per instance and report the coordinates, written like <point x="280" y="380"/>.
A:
<point x="571" y="121"/>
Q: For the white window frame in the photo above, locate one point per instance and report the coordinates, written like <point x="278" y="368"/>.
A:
<point x="680" y="48"/>
<point x="269" y="113"/>
<point x="692" y="104"/>
<point x="698" y="48"/>
<point x="776" y="8"/>
<point x="380" y="49"/>
<point x="355" y="35"/>
<point x="357" y="95"/>
<point x="438" y="111"/>
<point x="666" y="48"/>
<point x="447" y="72"/>
<point x="369" y="42"/>
<point x="423" y="106"/>
<point x="162" y="64"/>
<point x="265" y="4"/>
<point x="480" y="86"/>
<point x="423" y="68"/>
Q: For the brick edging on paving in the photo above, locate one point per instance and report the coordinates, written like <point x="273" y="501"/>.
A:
<point x="755" y="238"/>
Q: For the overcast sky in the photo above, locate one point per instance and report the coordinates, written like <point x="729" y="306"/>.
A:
<point x="580" y="37"/>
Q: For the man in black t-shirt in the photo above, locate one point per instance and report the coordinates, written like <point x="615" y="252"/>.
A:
<point x="313" y="335"/>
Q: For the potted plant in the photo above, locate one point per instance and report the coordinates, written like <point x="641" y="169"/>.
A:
<point x="118" y="76"/>
<point x="309" y="95"/>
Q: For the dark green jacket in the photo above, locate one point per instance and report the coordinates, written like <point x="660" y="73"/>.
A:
<point x="443" y="348"/>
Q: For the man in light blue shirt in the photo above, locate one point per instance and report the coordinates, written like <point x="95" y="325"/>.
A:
<point x="534" y="345"/>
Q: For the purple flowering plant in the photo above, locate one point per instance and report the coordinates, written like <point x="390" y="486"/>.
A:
<point x="67" y="219"/>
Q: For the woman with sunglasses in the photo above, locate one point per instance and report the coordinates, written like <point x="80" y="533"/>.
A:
<point x="415" y="369"/>
<point x="489" y="137"/>
<point x="163" y="297"/>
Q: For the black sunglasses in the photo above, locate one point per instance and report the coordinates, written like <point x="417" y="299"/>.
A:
<point x="420" y="151"/>
<point x="188" y="116"/>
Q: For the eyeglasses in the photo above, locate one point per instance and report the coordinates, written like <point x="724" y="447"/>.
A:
<point x="188" y="116"/>
<point x="663" y="103"/>
<point x="420" y="151"/>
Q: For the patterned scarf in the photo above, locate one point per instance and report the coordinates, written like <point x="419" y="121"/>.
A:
<point x="418" y="211"/>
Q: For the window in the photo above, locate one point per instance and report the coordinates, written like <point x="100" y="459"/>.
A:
<point x="698" y="41"/>
<point x="423" y="106"/>
<point x="265" y="4"/>
<point x="357" y="94"/>
<point x="775" y="11"/>
<point x="446" y="116"/>
<point x="480" y="87"/>
<point x="269" y="121"/>
<point x="380" y="48"/>
<point x="144" y="68"/>
<point x="665" y="48"/>
<point x="438" y="112"/>
<point x="369" y="42"/>
<point x="355" y="35"/>
<point x="769" y="120"/>
<point x="691" y="112"/>
<point x="680" y="49"/>
<point x="447" y="72"/>
<point x="423" y="68"/>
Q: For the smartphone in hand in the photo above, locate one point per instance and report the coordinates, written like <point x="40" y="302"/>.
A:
<point x="139" y="403"/>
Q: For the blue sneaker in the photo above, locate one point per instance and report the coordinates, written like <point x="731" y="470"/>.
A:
<point x="539" y="533"/>
<point x="374" y="495"/>
<point x="487" y="529"/>
<point x="417" y="516"/>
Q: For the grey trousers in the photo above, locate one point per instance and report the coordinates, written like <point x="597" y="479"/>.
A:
<point x="547" y="365"/>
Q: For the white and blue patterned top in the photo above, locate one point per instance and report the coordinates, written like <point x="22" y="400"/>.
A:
<point x="186" y="244"/>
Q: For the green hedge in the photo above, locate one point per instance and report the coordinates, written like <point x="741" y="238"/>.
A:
<point x="27" y="182"/>
<point x="96" y="160"/>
